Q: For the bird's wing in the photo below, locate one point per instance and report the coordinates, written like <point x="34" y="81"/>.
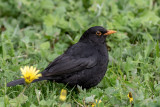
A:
<point x="75" y="59"/>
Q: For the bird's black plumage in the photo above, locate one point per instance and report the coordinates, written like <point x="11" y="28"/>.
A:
<point x="84" y="63"/>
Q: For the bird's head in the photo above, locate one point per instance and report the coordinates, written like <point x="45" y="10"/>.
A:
<point x="96" y="34"/>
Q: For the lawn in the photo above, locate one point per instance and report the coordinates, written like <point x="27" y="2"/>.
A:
<point x="35" y="32"/>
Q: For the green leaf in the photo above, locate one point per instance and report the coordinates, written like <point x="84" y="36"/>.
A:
<point x="45" y="46"/>
<point x="158" y="49"/>
<point x="43" y="103"/>
<point x="90" y="99"/>
<point x="149" y="48"/>
<point x="50" y="20"/>
<point x="38" y="92"/>
<point x="48" y="103"/>
<point x="2" y="101"/>
<point x="149" y="17"/>
<point x="73" y="24"/>
<point x="20" y="99"/>
<point x="47" y="4"/>
<point x="66" y="105"/>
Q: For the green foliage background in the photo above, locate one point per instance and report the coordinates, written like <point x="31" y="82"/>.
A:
<point x="34" y="32"/>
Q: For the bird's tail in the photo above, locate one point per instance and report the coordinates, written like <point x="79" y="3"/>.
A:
<point x="16" y="82"/>
<point x="21" y="81"/>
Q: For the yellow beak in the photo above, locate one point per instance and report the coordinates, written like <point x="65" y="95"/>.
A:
<point x="110" y="32"/>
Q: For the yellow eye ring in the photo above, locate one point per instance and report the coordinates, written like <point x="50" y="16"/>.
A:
<point x="98" y="33"/>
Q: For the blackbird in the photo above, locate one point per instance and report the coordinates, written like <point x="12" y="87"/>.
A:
<point x="84" y="63"/>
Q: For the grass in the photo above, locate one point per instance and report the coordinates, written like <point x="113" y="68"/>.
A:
<point x="36" y="32"/>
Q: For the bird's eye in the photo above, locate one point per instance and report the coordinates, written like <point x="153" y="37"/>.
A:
<point x="98" y="33"/>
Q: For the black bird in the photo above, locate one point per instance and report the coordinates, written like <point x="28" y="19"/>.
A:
<point x="84" y="63"/>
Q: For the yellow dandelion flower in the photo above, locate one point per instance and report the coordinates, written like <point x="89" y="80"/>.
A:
<point x="130" y="97"/>
<point x="29" y="74"/>
<point x="97" y="102"/>
<point x="63" y="95"/>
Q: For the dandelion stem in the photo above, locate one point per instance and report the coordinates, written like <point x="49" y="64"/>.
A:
<point x="24" y="89"/>
<point x="77" y="102"/>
